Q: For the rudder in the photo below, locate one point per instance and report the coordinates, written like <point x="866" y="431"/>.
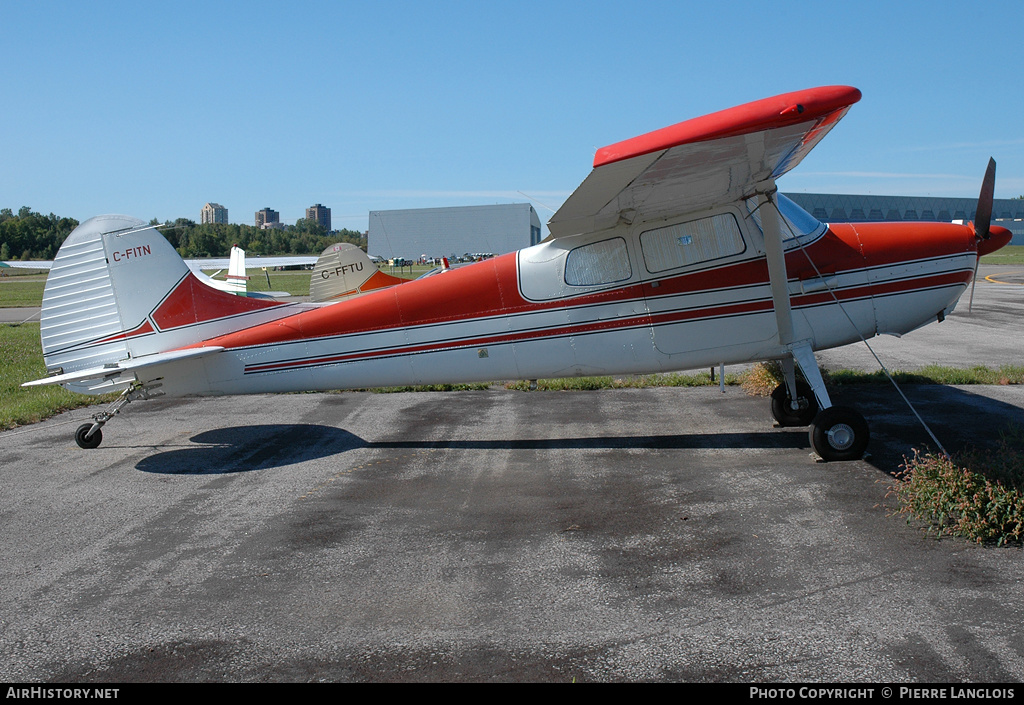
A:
<point x="343" y="270"/>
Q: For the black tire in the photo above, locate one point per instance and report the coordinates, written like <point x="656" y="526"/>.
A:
<point x="92" y="441"/>
<point x="785" y="415"/>
<point x="839" y="433"/>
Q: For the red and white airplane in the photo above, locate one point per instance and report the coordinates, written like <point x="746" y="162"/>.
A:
<point x="676" y="252"/>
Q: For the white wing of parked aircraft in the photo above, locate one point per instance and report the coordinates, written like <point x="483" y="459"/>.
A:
<point x="237" y="280"/>
<point x="29" y="264"/>
<point x="215" y="263"/>
<point x="199" y="265"/>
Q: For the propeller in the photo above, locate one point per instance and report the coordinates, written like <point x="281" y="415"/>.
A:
<point x="983" y="217"/>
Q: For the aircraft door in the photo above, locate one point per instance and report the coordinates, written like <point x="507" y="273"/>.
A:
<point x="703" y="291"/>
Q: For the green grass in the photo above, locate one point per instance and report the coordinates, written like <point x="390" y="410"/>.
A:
<point x="22" y="357"/>
<point x="476" y="386"/>
<point x="296" y="283"/>
<point x="764" y="377"/>
<point x="934" y="374"/>
<point x="11" y="272"/>
<point x="1009" y="255"/>
<point x="21" y="290"/>
<point x="27" y="289"/>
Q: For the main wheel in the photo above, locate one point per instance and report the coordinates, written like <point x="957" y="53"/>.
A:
<point x="839" y="433"/>
<point x="785" y="414"/>
<point x="92" y="441"/>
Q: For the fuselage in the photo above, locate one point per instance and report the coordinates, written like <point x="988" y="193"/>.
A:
<point x="627" y="300"/>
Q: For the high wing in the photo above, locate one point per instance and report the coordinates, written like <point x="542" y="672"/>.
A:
<point x="703" y="162"/>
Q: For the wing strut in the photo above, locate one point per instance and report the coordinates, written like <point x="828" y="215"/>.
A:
<point x="799" y="350"/>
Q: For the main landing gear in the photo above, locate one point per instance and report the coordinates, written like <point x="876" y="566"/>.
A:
<point x="839" y="433"/>
<point x="835" y="432"/>
<point x="789" y="412"/>
<point x="90" y="435"/>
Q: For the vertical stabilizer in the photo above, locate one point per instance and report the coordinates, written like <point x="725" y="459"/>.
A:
<point x="236" y="279"/>
<point x="344" y="270"/>
<point x="118" y="290"/>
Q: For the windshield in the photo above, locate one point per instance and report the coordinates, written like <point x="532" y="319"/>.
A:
<point x="797" y="223"/>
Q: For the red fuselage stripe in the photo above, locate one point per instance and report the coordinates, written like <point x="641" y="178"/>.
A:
<point x="737" y="309"/>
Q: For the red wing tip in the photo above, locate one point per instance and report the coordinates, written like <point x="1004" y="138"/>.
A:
<point x="777" y="111"/>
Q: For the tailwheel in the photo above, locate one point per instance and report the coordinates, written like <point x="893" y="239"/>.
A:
<point x="839" y="433"/>
<point x="89" y="435"/>
<point x="782" y="405"/>
<point x="86" y="440"/>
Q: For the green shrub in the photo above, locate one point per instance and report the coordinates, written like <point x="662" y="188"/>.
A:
<point x="976" y="494"/>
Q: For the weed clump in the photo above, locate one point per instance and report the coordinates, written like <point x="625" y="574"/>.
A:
<point x="470" y="387"/>
<point x="662" y="379"/>
<point x="763" y="378"/>
<point x="977" y="495"/>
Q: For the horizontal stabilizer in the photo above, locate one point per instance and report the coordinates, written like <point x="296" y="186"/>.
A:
<point x="123" y="366"/>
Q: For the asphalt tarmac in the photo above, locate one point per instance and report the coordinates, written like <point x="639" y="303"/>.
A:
<point x="627" y="535"/>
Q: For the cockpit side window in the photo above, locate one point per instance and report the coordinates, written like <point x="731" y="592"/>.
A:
<point x="796" y="222"/>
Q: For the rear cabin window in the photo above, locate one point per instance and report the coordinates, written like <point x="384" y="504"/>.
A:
<point x="693" y="242"/>
<point x="598" y="263"/>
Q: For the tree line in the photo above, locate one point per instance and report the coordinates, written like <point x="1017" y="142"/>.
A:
<point x="28" y="235"/>
<point x="306" y="237"/>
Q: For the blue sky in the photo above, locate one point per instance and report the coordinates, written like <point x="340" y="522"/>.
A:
<point x="153" y="109"/>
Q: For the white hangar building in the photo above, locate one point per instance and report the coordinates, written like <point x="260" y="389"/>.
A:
<point x="443" y="232"/>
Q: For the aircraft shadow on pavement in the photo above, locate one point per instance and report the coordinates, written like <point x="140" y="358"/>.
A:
<point x="958" y="417"/>
<point x="665" y="442"/>
<point x="247" y="448"/>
